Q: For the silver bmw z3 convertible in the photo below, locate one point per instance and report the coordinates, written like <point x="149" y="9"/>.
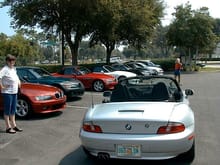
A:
<point x="142" y="118"/>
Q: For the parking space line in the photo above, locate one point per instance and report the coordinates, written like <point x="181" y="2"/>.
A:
<point x="79" y="107"/>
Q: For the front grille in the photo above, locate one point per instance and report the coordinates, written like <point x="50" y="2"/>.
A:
<point x="57" y="106"/>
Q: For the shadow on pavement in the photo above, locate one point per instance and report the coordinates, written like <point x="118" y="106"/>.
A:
<point x="78" y="157"/>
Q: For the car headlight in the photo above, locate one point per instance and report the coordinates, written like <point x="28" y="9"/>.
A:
<point x="110" y="80"/>
<point x="69" y="84"/>
<point x="41" y="98"/>
<point x="145" y="72"/>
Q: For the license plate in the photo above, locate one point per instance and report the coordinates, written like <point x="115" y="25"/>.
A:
<point x="129" y="150"/>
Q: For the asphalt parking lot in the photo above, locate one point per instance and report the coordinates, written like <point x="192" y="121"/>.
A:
<point x="52" y="139"/>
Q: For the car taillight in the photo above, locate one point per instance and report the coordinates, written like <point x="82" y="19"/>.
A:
<point x="89" y="127"/>
<point x="171" y="128"/>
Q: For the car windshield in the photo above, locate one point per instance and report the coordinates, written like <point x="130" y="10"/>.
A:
<point x="155" y="88"/>
<point x="84" y="70"/>
<point x="109" y="68"/>
<point x="38" y="72"/>
<point x="121" y="67"/>
<point x="150" y="63"/>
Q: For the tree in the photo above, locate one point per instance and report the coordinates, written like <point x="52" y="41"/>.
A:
<point x="131" y="21"/>
<point x="68" y="17"/>
<point x="216" y="29"/>
<point x="160" y="42"/>
<point x="187" y="34"/>
<point x="105" y="30"/>
<point x="203" y="37"/>
<point x="3" y="41"/>
<point x="126" y="21"/>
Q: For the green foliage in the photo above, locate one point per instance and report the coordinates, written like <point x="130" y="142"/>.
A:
<point x="167" y="64"/>
<point x="106" y="21"/>
<point x="19" y="46"/>
<point x="192" y="31"/>
<point x="50" y="68"/>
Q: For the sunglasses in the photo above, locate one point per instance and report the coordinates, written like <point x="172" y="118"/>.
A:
<point x="11" y="59"/>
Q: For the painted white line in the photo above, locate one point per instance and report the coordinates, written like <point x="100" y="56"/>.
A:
<point x="4" y="145"/>
<point x="79" y="107"/>
<point x="94" y="93"/>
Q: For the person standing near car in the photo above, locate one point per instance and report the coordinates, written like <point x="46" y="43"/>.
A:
<point x="178" y="68"/>
<point x="9" y="83"/>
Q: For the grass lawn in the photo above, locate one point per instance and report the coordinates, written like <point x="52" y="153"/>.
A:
<point x="209" y="69"/>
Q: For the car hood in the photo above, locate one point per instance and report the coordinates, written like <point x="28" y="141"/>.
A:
<point x="32" y="89"/>
<point x="123" y="73"/>
<point x="141" y="116"/>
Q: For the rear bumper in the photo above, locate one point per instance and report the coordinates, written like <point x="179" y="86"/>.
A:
<point x="153" y="147"/>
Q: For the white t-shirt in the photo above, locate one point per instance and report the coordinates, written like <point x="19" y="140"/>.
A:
<point x="9" y="79"/>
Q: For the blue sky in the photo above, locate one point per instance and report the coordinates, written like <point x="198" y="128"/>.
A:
<point x="5" y="22"/>
<point x="213" y="6"/>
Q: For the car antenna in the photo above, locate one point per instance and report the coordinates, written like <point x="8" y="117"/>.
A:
<point x="92" y="99"/>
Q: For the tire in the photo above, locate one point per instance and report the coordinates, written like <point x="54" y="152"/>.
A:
<point x="189" y="155"/>
<point x="98" y="86"/>
<point x="23" y="110"/>
<point x="121" y="78"/>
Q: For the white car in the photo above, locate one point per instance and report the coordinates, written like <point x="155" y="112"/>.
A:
<point x="142" y="118"/>
<point x="119" y="75"/>
<point x="149" y="63"/>
<point x="155" y="68"/>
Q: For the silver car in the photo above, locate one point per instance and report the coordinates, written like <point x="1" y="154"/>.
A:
<point x="142" y="118"/>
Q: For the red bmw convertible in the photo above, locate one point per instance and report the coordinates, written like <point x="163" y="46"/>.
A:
<point x="38" y="98"/>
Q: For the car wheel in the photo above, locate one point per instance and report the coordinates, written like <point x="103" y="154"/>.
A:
<point x="23" y="108"/>
<point x="189" y="155"/>
<point x="98" y="86"/>
<point x="121" y="78"/>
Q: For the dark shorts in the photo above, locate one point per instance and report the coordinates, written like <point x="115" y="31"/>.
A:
<point x="9" y="104"/>
<point x="177" y="72"/>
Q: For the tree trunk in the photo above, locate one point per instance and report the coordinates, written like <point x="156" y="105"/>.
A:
<point x="74" y="52"/>
<point x="74" y="46"/>
<point x="197" y="53"/>
<point x="109" y="49"/>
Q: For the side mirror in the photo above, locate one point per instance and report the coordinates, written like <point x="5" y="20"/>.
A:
<point x="189" y="92"/>
<point x="177" y="95"/>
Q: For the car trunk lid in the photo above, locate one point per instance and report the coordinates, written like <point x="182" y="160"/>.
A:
<point x="130" y="117"/>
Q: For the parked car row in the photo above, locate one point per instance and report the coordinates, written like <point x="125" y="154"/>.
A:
<point x="146" y="65"/>
<point x="45" y="92"/>
<point x="71" y="87"/>
<point x="109" y="70"/>
<point x="94" y="81"/>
